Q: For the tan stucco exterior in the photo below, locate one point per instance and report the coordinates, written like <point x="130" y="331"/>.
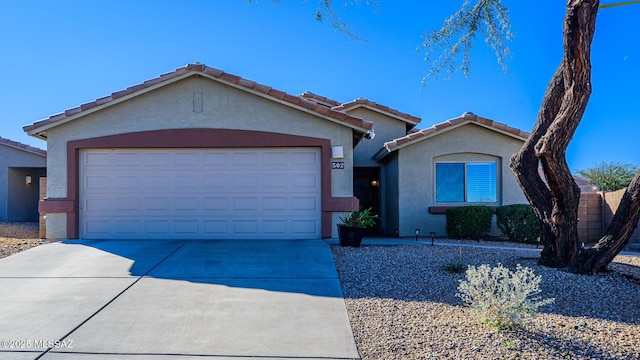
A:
<point x="395" y="169"/>
<point x="192" y="103"/>
<point x="386" y="128"/>
<point x="416" y="173"/>
<point x="19" y="200"/>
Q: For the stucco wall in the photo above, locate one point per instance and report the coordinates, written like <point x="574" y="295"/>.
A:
<point x="14" y="158"/>
<point x="385" y="128"/>
<point x="469" y="142"/>
<point x="390" y="195"/>
<point x="178" y="106"/>
<point x="22" y="198"/>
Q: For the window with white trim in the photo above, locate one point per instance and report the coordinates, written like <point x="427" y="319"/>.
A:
<point x="470" y="182"/>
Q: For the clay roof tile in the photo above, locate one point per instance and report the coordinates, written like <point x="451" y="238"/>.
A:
<point x="21" y="146"/>
<point x="222" y="76"/>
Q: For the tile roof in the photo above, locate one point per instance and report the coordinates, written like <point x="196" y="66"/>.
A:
<point x="38" y="127"/>
<point x="466" y="118"/>
<point x="321" y="99"/>
<point x="362" y="102"/>
<point x="21" y="146"/>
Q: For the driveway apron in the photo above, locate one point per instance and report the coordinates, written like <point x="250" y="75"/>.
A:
<point x="174" y="299"/>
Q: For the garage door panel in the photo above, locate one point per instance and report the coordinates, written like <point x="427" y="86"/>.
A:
<point x="215" y="180"/>
<point x="126" y="159"/>
<point x="303" y="227"/>
<point x="243" y="159"/>
<point x="275" y="203"/>
<point x="154" y="228"/>
<point x="98" y="182"/>
<point x="244" y="226"/>
<point x="97" y="159"/>
<point x="200" y="194"/>
<point x="304" y="180"/>
<point x="126" y="203"/>
<point x="156" y="204"/>
<point x="186" y="227"/>
<point x="303" y="159"/>
<point x="216" y="203"/>
<point x="186" y="203"/>
<point x="216" y="227"/>
<point x="305" y="203"/>
<point x="242" y="181"/>
<point x="126" y="227"/>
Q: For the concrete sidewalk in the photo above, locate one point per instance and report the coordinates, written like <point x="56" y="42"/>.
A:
<point x="181" y="299"/>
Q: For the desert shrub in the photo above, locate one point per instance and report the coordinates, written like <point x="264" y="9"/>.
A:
<point x="518" y="222"/>
<point x="469" y="222"/>
<point x="456" y="266"/>
<point x="500" y="297"/>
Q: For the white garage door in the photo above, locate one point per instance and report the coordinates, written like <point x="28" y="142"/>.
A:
<point x="270" y="193"/>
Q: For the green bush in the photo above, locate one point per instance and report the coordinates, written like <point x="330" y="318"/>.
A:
<point x="469" y="222"/>
<point x="518" y="222"/>
<point x="500" y="297"/>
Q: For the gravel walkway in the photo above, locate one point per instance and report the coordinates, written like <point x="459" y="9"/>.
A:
<point x="402" y="305"/>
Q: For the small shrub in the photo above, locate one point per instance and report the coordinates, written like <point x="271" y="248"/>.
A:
<point x="457" y="266"/>
<point x="500" y="297"/>
<point x="518" y="222"/>
<point x="469" y="222"/>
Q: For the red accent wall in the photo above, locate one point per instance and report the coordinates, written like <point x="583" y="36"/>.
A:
<point x="192" y="138"/>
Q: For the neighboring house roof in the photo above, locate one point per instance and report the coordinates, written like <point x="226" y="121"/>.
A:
<point x="583" y="183"/>
<point x="362" y="102"/>
<point x="21" y="146"/>
<point x="39" y="128"/>
<point x="464" y="119"/>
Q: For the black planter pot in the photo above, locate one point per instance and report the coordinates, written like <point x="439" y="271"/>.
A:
<point x="350" y="235"/>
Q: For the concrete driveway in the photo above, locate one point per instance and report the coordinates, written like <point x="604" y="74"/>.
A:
<point x="173" y="299"/>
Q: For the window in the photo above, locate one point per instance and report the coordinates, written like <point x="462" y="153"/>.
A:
<point x="473" y="182"/>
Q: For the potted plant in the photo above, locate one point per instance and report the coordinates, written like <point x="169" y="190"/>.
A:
<point x="354" y="226"/>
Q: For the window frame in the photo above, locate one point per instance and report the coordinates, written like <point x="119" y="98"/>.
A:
<point x="465" y="201"/>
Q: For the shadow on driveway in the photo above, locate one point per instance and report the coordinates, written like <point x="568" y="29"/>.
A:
<point x="269" y="265"/>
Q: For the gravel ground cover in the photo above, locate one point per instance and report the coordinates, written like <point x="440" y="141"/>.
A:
<point x="18" y="236"/>
<point x="402" y="305"/>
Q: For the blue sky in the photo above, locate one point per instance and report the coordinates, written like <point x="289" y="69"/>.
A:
<point x="58" y="55"/>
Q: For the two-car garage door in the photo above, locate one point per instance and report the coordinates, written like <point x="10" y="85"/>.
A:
<point x="263" y="193"/>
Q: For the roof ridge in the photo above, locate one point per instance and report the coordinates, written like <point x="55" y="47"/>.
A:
<point x="21" y="146"/>
<point x="467" y="117"/>
<point x="366" y="102"/>
<point x="314" y="96"/>
<point x="215" y="73"/>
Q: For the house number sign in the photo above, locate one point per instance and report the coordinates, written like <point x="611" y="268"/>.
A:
<point x="337" y="165"/>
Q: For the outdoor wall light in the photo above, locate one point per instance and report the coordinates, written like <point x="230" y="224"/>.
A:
<point x="374" y="183"/>
<point x="337" y="152"/>
<point x="27" y="179"/>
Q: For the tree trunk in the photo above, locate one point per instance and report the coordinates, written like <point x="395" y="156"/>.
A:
<point x="623" y="225"/>
<point x="563" y="105"/>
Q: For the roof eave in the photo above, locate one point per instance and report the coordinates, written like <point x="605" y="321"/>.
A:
<point x="368" y="125"/>
<point x="38" y="129"/>
<point x="35" y="129"/>
<point x="407" y="141"/>
<point x="373" y="108"/>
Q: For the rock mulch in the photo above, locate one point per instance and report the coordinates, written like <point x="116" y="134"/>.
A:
<point x="402" y="305"/>
<point x="18" y="236"/>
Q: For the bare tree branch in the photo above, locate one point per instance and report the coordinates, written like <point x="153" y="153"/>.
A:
<point x="622" y="3"/>
<point x="458" y="34"/>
